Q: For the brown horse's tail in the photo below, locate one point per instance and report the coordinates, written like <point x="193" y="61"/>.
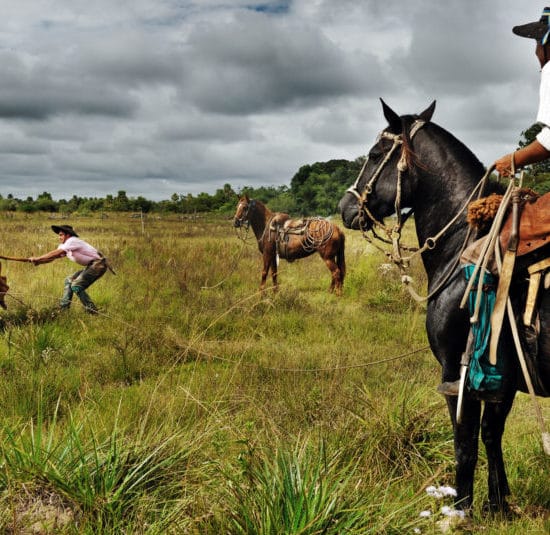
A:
<point x="341" y="256"/>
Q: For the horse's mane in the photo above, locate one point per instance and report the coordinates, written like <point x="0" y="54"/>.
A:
<point x="460" y="152"/>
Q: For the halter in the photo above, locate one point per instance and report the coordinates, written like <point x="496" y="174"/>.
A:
<point x="244" y="216"/>
<point x="394" y="233"/>
<point x="365" y="215"/>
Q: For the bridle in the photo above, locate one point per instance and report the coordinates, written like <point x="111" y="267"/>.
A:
<point x="365" y="215"/>
<point x="243" y="219"/>
<point x="367" y="221"/>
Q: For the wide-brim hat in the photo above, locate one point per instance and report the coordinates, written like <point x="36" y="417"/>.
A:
<point x="539" y="30"/>
<point x="67" y="229"/>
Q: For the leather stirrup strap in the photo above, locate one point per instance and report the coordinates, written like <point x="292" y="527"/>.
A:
<point x="497" y="317"/>
<point x="535" y="276"/>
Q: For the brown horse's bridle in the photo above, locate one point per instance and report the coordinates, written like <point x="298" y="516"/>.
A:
<point x="244" y="216"/>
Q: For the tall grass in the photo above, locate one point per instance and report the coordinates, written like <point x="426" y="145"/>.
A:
<point x="194" y="404"/>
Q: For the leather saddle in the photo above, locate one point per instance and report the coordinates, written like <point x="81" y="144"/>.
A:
<point x="530" y="290"/>
<point x="282" y="225"/>
<point x="534" y="226"/>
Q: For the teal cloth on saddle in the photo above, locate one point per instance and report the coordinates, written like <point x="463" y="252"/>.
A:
<point x="482" y="375"/>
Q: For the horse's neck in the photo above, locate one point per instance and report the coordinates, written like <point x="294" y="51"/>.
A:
<point x="442" y="194"/>
<point x="259" y="218"/>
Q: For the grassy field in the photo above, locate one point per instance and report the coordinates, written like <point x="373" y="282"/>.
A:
<point x="193" y="404"/>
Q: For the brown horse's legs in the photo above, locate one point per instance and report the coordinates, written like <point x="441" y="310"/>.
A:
<point x="265" y="271"/>
<point x="336" y="276"/>
<point x="274" y="273"/>
<point x="270" y="263"/>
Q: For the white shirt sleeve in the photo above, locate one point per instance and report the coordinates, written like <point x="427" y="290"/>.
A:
<point x="543" y="114"/>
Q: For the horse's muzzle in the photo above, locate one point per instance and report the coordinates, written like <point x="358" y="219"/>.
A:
<point x="237" y="223"/>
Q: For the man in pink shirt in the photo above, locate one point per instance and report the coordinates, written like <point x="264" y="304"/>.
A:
<point x="93" y="262"/>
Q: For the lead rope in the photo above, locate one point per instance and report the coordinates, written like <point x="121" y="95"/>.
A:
<point x="394" y="233"/>
<point x="431" y="242"/>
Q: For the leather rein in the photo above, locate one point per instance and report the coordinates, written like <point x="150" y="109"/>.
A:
<point x="394" y="233"/>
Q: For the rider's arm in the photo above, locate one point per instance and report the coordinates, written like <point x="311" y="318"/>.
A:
<point x="48" y="257"/>
<point x="532" y="153"/>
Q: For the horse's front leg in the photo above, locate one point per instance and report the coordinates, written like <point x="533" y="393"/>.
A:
<point x="466" y="437"/>
<point x="274" y="271"/>
<point x="265" y="269"/>
<point x="336" y="276"/>
<point x="492" y="429"/>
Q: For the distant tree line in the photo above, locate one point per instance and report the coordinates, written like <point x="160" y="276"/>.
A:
<point x="314" y="190"/>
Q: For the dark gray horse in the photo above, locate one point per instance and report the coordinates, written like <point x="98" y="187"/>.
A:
<point x="418" y="165"/>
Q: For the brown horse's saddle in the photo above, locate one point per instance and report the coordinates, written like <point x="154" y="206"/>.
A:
<point x="281" y="224"/>
<point x="295" y="226"/>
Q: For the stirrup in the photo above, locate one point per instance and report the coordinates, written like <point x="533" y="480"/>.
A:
<point x="449" y="388"/>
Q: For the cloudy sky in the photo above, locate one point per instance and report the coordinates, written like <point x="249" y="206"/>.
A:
<point x="156" y="97"/>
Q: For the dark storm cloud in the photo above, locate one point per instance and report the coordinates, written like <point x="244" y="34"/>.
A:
<point x="253" y="65"/>
<point x="131" y="59"/>
<point x="41" y="90"/>
<point x="161" y="97"/>
<point x="193" y="127"/>
<point x="459" y="53"/>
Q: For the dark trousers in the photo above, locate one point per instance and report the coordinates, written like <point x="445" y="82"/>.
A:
<point x="82" y="279"/>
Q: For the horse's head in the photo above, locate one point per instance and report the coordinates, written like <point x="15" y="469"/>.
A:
<point x="380" y="189"/>
<point x="241" y="214"/>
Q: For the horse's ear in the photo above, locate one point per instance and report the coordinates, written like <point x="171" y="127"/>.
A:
<point x="393" y="119"/>
<point x="426" y="115"/>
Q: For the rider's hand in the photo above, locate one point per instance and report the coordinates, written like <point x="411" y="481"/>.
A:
<point x="503" y="165"/>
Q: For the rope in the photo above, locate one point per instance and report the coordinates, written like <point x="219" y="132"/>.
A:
<point x="430" y="242"/>
<point x="315" y="370"/>
<point x="203" y="353"/>
<point x="317" y="237"/>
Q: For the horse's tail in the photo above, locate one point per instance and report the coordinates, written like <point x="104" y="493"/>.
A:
<point x="341" y="255"/>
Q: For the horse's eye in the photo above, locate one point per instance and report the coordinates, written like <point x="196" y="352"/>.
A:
<point x="375" y="154"/>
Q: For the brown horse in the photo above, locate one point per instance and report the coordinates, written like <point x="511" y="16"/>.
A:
<point x="291" y="239"/>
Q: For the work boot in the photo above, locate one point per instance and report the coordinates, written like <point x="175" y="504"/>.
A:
<point x="449" y="388"/>
<point x="89" y="305"/>
<point x="91" y="309"/>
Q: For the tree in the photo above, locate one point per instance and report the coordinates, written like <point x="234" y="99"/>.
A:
<point x="121" y="203"/>
<point x="45" y="203"/>
<point x="527" y="137"/>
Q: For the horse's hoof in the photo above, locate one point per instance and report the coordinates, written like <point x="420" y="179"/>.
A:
<point x="455" y="523"/>
<point x="499" y="509"/>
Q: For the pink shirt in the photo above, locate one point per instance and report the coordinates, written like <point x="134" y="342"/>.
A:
<point x="79" y="251"/>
